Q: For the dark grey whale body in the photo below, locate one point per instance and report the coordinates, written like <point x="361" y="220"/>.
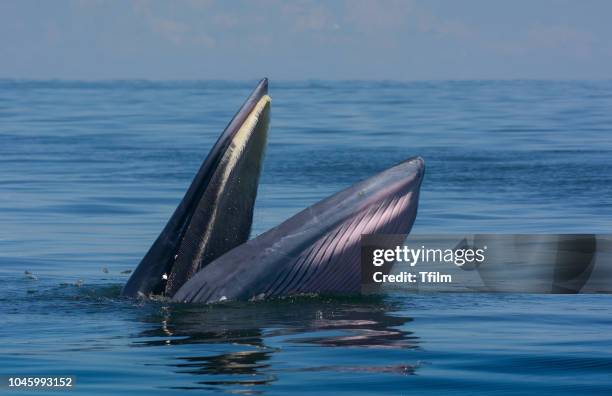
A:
<point x="217" y="211"/>
<point x="201" y="254"/>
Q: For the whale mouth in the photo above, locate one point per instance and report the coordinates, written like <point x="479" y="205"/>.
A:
<point x="202" y="254"/>
<point x="221" y="196"/>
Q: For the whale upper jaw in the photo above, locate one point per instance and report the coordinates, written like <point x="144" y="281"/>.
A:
<point x="318" y="249"/>
<point x="215" y="215"/>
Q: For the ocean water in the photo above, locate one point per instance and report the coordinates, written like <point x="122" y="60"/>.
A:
<point x="91" y="171"/>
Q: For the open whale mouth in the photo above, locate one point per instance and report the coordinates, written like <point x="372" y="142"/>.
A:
<point x="202" y="254"/>
<point x="216" y="213"/>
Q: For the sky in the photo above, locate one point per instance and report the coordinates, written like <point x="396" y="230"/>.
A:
<point x="296" y="40"/>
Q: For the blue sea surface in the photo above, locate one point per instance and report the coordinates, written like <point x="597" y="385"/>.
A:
<point x="91" y="171"/>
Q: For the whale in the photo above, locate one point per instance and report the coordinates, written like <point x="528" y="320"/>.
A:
<point x="317" y="251"/>
<point x="216" y="212"/>
<point x="203" y="254"/>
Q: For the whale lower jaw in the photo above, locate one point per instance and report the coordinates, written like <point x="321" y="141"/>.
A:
<point x="333" y="263"/>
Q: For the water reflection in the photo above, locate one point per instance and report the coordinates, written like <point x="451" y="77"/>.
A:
<point x="247" y="336"/>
